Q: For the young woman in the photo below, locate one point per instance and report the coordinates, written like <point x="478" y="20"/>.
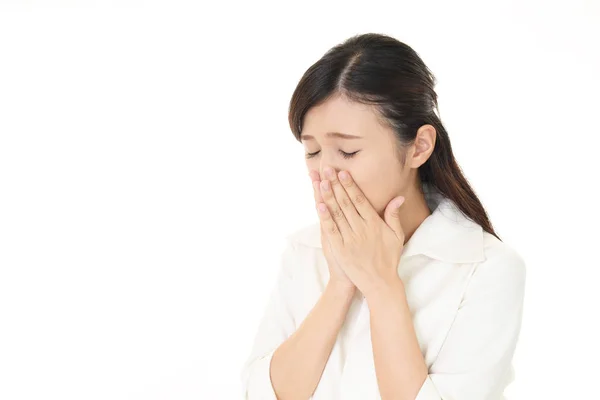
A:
<point x="402" y="290"/>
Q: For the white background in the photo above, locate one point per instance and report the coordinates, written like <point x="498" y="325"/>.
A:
<point x="148" y="176"/>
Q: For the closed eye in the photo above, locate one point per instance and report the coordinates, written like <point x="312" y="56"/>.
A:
<point x="348" y="155"/>
<point x="343" y="153"/>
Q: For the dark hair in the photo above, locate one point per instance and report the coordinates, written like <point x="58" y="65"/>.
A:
<point x="376" y="69"/>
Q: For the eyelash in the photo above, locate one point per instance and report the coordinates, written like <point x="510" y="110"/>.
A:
<point x="343" y="153"/>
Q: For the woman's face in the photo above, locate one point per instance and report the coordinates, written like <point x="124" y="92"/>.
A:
<point x="375" y="167"/>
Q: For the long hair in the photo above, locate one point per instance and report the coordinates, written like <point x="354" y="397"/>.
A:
<point x="378" y="70"/>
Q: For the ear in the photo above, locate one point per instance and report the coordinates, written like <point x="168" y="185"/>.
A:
<point x="423" y="146"/>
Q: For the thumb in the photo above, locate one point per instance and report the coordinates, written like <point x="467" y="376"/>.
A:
<point x="392" y="216"/>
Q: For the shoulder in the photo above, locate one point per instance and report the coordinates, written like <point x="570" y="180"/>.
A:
<point x="502" y="267"/>
<point x="498" y="252"/>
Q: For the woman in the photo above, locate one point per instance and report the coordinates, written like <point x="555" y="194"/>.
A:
<point x="402" y="290"/>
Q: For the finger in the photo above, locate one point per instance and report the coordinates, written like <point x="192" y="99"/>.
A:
<point x="316" y="180"/>
<point x="324" y="239"/>
<point x="358" y="198"/>
<point x="343" y="200"/>
<point x="317" y="192"/>
<point x="337" y="215"/>
<point x="314" y="175"/>
<point x="328" y="226"/>
<point x="392" y="216"/>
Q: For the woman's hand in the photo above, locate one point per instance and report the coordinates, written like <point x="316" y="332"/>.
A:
<point x="336" y="274"/>
<point x="366" y="247"/>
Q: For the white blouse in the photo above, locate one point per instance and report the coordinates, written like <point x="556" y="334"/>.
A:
<point x="465" y="292"/>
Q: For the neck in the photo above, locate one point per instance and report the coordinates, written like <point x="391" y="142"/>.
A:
<point x="413" y="212"/>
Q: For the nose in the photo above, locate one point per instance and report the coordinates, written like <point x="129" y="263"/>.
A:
<point x="323" y="164"/>
<point x="326" y="159"/>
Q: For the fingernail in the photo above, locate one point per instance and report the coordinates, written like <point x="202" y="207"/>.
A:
<point x="329" y="173"/>
<point x="325" y="186"/>
<point x="399" y="202"/>
<point x="344" y="176"/>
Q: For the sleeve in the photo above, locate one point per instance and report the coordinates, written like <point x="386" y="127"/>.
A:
<point x="475" y="361"/>
<point x="276" y="325"/>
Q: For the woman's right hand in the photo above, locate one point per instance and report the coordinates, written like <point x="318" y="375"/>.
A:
<point x="336" y="274"/>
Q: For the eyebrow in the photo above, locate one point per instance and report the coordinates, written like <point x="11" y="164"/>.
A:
<point x="332" y="134"/>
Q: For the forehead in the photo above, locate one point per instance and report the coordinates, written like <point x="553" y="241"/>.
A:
<point x="340" y="115"/>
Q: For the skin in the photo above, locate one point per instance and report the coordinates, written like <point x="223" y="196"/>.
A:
<point x="369" y="206"/>
<point x="367" y="249"/>
<point x="376" y="168"/>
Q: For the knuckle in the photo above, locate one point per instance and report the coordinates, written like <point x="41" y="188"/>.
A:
<point x="333" y="229"/>
<point x="334" y="182"/>
<point x="337" y="214"/>
<point x="346" y="202"/>
<point x="360" y="198"/>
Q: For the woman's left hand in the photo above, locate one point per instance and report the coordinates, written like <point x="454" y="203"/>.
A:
<point x="366" y="247"/>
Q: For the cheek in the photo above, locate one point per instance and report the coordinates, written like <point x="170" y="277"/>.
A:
<point x="370" y="186"/>
<point x="311" y="165"/>
<point x="378" y="186"/>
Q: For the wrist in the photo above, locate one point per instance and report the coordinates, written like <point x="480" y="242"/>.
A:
<point x="385" y="290"/>
<point x="341" y="288"/>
